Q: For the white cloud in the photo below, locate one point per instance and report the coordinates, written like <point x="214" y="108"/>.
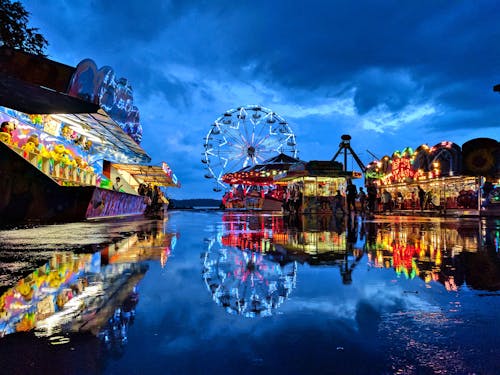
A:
<point x="381" y="119"/>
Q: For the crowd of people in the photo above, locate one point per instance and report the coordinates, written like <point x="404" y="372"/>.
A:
<point x="153" y="197"/>
<point x="292" y="199"/>
<point x="365" y="200"/>
<point x="369" y="202"/>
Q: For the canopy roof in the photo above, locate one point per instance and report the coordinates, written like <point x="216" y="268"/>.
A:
<point x="150" y="174"/>
<point x="35" y="85"/>
<point x="281" y="159"/>
<point x="263" y="173"/>
<point x="106" y="135"/>
<point x="316" y="168"/>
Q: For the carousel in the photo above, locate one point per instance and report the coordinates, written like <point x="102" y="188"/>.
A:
<point x="253" y="187"/>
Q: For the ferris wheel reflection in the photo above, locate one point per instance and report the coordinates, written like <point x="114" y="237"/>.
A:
<point x="250" y="265"/>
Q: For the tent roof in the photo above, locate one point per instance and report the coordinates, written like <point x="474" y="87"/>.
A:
<point x="316" y="168"/>
<point x="280" y="159"/>
<point x="150" y="174"/>
<point x="255" y="174"/>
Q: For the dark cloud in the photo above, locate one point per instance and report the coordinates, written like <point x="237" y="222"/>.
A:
<point x="403" y="73"/>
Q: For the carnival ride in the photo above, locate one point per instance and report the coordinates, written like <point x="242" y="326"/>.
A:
<point x="245" y="136"/>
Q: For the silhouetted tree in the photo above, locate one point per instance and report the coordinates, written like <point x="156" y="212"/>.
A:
<point x="14" y="30"/>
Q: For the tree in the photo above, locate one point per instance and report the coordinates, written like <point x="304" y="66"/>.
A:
<point x="14" y="31"/>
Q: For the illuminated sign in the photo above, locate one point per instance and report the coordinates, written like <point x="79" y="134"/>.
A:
<point x="402" y="169"/>
<point x="167" y="169"/>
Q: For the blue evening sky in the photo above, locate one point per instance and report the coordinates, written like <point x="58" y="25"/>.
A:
<point x="391" y="74"/>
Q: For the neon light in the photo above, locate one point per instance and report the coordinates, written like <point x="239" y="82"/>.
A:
<point x="401" y="169"/>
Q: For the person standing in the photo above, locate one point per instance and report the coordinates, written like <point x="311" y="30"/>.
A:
<point x="372" y="198"/>
<point x="386" y="201"/>
<point x="118" y="184"/>
<point x="338" y="205"/>
<point x="362" y="199"/>
<point x="421" y="197"/>
<point x="352" y="194"/>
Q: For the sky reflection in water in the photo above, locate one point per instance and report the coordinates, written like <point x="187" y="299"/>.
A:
<point x="231" y="292"/>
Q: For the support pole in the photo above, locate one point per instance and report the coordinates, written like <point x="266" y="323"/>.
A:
<point x="345" y="146"/>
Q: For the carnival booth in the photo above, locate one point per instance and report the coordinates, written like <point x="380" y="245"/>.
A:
<point x="311" y="186"/>
<point x="60" y="127"/>
<point x="451" y="177"/>
<point x="253" y="187"/>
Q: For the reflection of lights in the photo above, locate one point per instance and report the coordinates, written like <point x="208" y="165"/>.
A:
<point x="72" y="308"/>
<point x="418" y="253"/>
<point x="245" y="282"/>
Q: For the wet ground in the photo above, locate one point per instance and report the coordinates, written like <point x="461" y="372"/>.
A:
<point x="213" y="292"/>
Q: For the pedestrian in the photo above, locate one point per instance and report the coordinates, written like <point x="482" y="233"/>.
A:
<point x="372" y="197"/>
<point x="386" y="201"/>
<point x="141" y="190"/>
<point x="421" y="197"/>
<point x="352" y="194"/>
<point x="338" y="204"/>
<point x="362" y="199"/>
<point x="118" y="184"/>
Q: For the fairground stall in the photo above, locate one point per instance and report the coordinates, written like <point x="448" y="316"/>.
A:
<point x="62" y="130"/>
<point x="312" y="185"/>
<point x="451" y="177"/>
<point x="253" y="187"/>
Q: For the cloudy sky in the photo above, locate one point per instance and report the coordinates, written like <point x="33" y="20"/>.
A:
<point x="389" y="73"/>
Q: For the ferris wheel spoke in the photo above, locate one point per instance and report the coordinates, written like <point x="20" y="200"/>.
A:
<point x="261" y="129"/>
<point x="274" y="142"/>
<point x="262" y="140"/>
<point x="247" y="135"/>
<point x="231" y="150"/>
<point x="223" y="162"/>
<point x="234" y="137"/>
<point x="267" y="148"/>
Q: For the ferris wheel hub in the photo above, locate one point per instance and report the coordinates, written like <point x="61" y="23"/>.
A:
<point x="251" y="152"/>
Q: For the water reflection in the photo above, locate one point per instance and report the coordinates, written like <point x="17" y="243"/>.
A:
<point x="453" y="253"/>
<point x="243" y="272"/>
<point x="371" y="287"/>
<point x="250" y="266"/>
<point x="86" y="293"/>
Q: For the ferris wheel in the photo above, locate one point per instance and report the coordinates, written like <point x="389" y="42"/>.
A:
<point x="243" y="137"/>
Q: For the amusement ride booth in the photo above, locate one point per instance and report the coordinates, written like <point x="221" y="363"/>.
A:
<point x="451" y="177"/>
<point x="311" y="186"/>
<point x="61" y="128"/>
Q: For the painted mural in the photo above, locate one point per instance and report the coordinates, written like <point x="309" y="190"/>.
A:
<point x="106" y="203"/>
